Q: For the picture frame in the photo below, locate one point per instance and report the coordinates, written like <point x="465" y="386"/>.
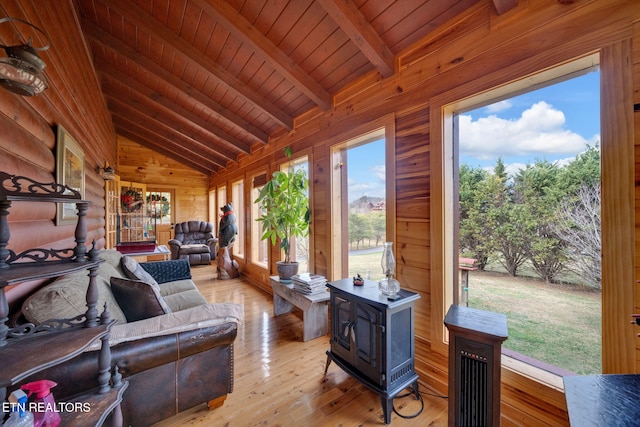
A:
<point x="70" y="172"/>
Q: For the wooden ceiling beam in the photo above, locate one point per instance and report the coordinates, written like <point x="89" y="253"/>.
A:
<point x="162" y="131"/>
<point x="159" y="123"/>
<point x="101" y="38"/>
<point x="162" y="34"/>
<point x="151" y="146"/>
<point x="503" y="6"/>
<point x="245" y="32"/>
<point x="179" y="145"/>
<point x="160" y="150"/>
<point x="177" y="111"/>
<point x="346" y="14"/>
<point x="125" y="128"/>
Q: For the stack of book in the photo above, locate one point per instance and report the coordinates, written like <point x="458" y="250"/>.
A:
<point x="309" y="284"/>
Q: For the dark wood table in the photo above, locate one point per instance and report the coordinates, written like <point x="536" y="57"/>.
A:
<point x="603" y="400"/>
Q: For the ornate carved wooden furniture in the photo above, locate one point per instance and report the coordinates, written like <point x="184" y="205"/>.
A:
<point x="372" y="338"/>
<point x="60" y="339"/>
<point x="475" y="339"/>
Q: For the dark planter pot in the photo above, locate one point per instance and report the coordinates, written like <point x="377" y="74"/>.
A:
<point x="286" y="270"/>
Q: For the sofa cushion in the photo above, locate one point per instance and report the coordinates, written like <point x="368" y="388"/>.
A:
<point x="194" y="248"/>
<point x="175" y="287"/>
<point x="186" y="320"/>
<point x="138" y="300"/>
<point x="134" y="271"/>
<point x="113" y="258"/>
<point x="66" y="297"/>
<point x="184" y="300"/>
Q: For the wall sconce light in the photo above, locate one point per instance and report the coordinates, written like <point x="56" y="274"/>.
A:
<point x="21" y="70"/>
<point x="108" y="173"/>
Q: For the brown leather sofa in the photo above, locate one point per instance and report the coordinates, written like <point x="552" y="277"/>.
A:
<point x="172" y="361"/>
<point x="194" y="241"/>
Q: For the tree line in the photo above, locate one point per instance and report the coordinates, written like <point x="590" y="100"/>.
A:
<point x="547" y="215"/>
<point x="366" y="226"/>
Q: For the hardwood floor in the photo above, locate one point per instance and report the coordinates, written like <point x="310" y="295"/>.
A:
<point x="279" y="379"/>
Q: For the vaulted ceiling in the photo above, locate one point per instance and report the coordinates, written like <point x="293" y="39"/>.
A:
<point x="204" y="81"/>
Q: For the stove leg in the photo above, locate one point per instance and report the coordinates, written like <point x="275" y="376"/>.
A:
<point x="326" y="367"/>
<point x="387" y="408"/>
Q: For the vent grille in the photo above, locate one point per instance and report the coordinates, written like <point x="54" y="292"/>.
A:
<point x="404" y="370"/>
<point x="473" y="389"/>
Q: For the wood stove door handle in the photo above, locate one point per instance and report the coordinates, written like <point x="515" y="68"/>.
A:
<point x="353" y="334"/>
<point x="345" y="326"/>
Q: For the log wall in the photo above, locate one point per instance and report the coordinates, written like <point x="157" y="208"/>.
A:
<point x="28" y="128"/>
<point x="475" y="52"/>
<point x="191" y="188"/>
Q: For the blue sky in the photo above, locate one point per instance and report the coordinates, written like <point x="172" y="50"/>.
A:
<point x="554" y="123"/>
<point x="366" y="170"/>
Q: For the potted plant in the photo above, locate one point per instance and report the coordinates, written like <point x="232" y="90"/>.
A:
<point x="285" y="207"/>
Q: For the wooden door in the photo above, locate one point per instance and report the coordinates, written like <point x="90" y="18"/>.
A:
<point x="160" y="213"/>
<point x="164" y="233"/>
<point x="133" y="225"/>
<point x="112" y="206"/>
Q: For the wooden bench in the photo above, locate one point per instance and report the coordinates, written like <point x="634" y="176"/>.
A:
<point x="315" y="308"/>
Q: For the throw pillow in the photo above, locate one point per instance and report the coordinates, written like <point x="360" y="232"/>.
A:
<point x="66" y="298"/>
<point x="137" y="299"/>
<point x="134" y="271"/>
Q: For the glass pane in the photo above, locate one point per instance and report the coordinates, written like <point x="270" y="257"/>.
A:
<point x="367" y="208"/>
<point x="529" y="220"/>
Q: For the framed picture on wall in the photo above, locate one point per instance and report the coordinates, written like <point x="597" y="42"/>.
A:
<point x="70" y="172"/>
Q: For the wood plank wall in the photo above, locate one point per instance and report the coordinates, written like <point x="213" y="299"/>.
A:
<point x="475" y="52"/>
<point x="28" y="127"/>
<point x="636" y="146"/>
<point x="191" y="188"/>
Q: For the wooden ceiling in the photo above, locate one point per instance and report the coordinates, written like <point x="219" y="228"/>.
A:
<point x="204" y="81"/>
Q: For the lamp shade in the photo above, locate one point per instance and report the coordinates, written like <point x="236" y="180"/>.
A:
<point x="21" y="70"/>
<point x="108" y="174"/>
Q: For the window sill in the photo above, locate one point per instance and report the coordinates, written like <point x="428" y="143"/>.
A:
<point x="536" y="370"/>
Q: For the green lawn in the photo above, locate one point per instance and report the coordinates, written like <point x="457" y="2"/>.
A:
<point x="557" y="324"/>
<point x="360" y="264"/>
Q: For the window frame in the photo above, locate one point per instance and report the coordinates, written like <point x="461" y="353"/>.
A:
<point x="238" y="200"/>
<point x="617" y="185"/>
<point x="338" y="144"/>
<point x="304" y="157"/>
<point x="256" y="227"/>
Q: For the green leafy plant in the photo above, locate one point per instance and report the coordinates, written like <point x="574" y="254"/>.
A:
<point x="285" y="206"/>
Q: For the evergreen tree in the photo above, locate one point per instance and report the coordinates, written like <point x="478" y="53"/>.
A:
<point x="474" y="201"/>
<point x="540" y="191"/>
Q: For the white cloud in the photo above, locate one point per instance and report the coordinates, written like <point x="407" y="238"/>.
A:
<point x="374" y="186"/>
<point x="498" y="106"/>
<point x="538" y="131"/>
<point x="379" y="172"/>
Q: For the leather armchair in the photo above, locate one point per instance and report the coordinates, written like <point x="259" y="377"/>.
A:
<point x="194" y="241"/>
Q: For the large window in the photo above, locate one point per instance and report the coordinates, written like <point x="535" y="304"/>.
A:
<point x="299" y="246"/>
<point x="237" y="198"/>
<point x="523" y="190"/>
<point x="221" y="200"/>
<point x="259" y="247"/>
<point x="213" y="217"/>
<point x="363" y="200"/>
